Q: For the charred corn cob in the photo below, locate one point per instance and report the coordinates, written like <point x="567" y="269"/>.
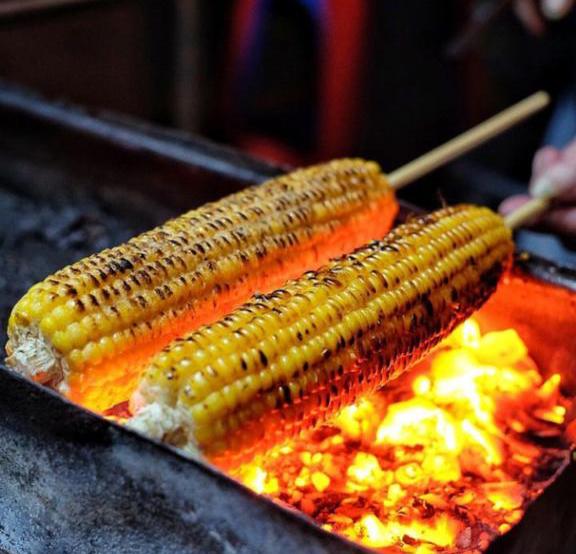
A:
<point x="90" y="326"/>
<point x="287" y="359"/>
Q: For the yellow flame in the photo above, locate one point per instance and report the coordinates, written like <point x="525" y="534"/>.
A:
<point x="419" y="422"/>
<point x="466" y="335"/>
<point x="505" y="496"/>
<point x="441" y="531"/>
<point x="255" y="478"/>
<point x="358" y="421"/>
<point x="259" y="481"/>
<point x="488" y="444"/>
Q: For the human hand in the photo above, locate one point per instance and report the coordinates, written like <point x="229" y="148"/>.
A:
<point x="533" y="13"/>
<point x="553" y="176"/>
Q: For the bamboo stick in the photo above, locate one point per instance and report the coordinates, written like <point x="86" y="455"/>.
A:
<point x="468" y="140"/>
<point x="527" y="213"/>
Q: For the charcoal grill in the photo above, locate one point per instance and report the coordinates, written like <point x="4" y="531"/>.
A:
<point x="72" y="182"/>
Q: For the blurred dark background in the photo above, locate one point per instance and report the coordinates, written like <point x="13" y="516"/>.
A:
<point x="297" y="81"/>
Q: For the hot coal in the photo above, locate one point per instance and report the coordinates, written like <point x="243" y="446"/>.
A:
<point x="441" y="460"/>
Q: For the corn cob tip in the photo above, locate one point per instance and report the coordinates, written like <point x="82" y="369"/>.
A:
<point x="164" y="423"/>
<point x="31" y="355"/>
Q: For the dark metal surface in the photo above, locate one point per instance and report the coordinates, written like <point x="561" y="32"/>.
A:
<point x="130" y="134"/>
<point x="542" y="269"/>
<point x="548" y="525"/>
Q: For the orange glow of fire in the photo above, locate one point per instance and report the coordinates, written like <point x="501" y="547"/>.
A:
<point x="443" y="460"/>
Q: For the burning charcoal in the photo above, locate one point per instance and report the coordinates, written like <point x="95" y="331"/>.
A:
<point x="550" y="415"/>
<point x="320" y="481"/>
<point x="548" y="432"/>
<point x="425" y="510"/>
<point x="464" y="498"/>
<point x="450" y="474"/>
<point x="410" y="474"/>
<point x="120" y="411"/>
<point x="308" y="506"/>
<point x="407" y="539"/>
<point x="464" y="540"/>
<point x="485" y="537"/>
<point x="436" y="500"/>
<point x="504" y="496"/>
<point x="340" y="520"/>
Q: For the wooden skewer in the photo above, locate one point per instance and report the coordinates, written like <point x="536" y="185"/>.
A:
<point x="468" y="140"/>
<point x="527" y="213"/>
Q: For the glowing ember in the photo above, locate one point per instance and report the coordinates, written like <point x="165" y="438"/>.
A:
<point x="443" y="461"/>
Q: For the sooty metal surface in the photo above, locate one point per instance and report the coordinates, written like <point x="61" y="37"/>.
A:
<point x="72" y="183"/>
<point x="548" y="526"/>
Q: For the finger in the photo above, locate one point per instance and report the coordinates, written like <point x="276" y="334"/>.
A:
<point x="527" y="12"/>
<point x="561" y="220"/>
<point x="569" y="152"/>
<point x="512" y="203"/>
<point x="556" y="9"/>
<point x="544" y="159"/>
<point x="558" y="182"/>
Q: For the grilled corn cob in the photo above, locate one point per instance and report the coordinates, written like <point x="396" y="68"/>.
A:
<point x="90" y="326"/>
<point x="287" y="359"/>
